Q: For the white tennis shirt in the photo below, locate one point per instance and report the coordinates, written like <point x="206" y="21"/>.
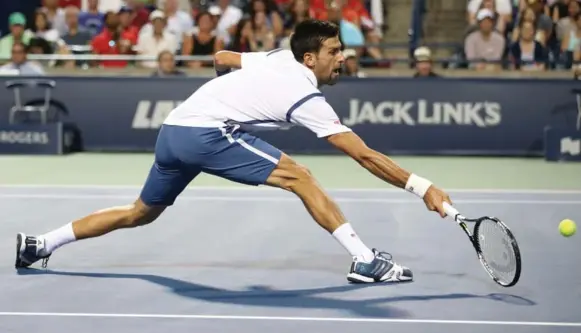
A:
<point x="271" y="90"/>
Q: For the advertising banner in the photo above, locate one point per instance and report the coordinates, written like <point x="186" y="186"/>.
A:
<point x="393" y="115"/>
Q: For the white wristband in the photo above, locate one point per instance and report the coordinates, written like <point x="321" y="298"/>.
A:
<point x="418" y="185"/>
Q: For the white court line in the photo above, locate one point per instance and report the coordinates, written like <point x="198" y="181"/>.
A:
<point x="266" y="188"/>
<point x="307" y="319"/>
<point x="56" y="196"/>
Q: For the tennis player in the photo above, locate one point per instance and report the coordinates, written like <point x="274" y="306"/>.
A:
<point x="209" y="132"/>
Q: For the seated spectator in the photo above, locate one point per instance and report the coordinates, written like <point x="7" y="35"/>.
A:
<point x="423" y="63"/>
<point x="484" y="48"/>
<point x="202" y="42"/>
<point x="179" y="23"/>
<point x="229" y="18"/>
<point x="352" y="67"/>
<point x="566" y="24"/>
<point x="156" y="41"/>
<point x="55" y="15"/>
<point x="18" y="34"/>
<point x="297" y="12"/>
<point x="542" y="23"/>
<point x="349" y="34"/>
<point x="111" y="41"/>
<point x="20" y="63"/>
<point x="243" y="39"/>
<point x="355" y="12"/>
<point x="500" y="23"/>
<point x="527" y="53"/>
<point x="263" y="36"/>
<point x="139" y="13"/>
<point x="559" y="9"/>
<point x="131" y="32"/>
<point x="351" y="13"/>
<point x="272" y="18"/>
<point x="167" y="65"/>
<point x="92" y="20"/>
<point x="42" y="28"/>
<point x="76" y="34"/>
<point x="571" y="42"/>
<point x="502" y="7"/>
<point x="77" y="39"/>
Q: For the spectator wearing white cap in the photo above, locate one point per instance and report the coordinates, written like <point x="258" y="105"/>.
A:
<point x="152" y="43"/>
<point x="485" y="47"/>
<point x="352" y="64"/>
<point x="178" y="22"/>
<point x="423" y="62"/>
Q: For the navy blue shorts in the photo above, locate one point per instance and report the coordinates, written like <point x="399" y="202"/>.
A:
<point x="182" y="153"/>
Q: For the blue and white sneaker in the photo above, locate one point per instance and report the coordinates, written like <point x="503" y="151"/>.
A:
<point x="381" y="269"/>
<point x="29" y="249"/>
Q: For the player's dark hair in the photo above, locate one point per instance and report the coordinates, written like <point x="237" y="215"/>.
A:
<point x="309" y="36"/>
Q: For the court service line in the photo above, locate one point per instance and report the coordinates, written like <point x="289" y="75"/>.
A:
<point x="265" y="188"/>
<point x="305" y="319"/>
<point x="72" y="197"/>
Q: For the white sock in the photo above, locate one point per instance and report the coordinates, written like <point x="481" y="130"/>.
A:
<point x="59" y="237"/>
<point x="352" y="243"/>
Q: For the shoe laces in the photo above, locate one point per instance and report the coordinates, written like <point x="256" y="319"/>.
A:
<point x="45" y="262"/>
<point x="384" y="256"/>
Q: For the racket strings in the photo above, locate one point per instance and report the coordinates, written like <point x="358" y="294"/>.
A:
<point x="497" y="250"/>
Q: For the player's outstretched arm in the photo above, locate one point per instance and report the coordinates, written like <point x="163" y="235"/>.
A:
<point x="224" y="61"/>
<point x="386" y="169"/>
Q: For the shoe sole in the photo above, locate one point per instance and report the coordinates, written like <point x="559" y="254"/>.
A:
<point x="19" y="249"/>
<point x="357" y="278"/>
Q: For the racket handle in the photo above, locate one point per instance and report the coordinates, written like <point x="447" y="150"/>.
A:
<point x="450" y="211"/>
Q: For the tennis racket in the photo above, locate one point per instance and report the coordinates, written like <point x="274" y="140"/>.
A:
<point x="495" y="245"/>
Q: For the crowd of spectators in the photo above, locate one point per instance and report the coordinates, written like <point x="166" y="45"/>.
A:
<point x="162" y="30"/>
<point x="523" y="34"/>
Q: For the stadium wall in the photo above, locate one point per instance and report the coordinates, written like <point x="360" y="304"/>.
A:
<point x="394" y="115"/>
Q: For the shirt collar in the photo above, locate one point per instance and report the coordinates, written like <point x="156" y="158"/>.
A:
<point x="309" y="74"/>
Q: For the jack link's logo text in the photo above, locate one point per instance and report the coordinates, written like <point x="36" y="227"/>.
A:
<point x="480" y="114"/>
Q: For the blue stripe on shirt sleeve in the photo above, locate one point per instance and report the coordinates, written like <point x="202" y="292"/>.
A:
<point x="299" y="103"/>
<point x="273" y="52"/>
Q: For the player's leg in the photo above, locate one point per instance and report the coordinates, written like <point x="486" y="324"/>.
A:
<point x="368" y="265"/>
<point x="166" y="180"/>
<point x="246" y="159"/>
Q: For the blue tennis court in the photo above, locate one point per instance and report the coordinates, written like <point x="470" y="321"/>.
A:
<point x="245" y="260"/>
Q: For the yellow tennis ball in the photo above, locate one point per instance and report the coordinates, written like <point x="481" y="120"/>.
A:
<point x="567" y="228"/>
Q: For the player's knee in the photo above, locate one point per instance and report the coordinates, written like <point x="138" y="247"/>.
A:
<point x="302" y="178"/>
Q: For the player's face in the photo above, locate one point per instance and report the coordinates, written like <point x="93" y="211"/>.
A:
<point x="329" y="62"/>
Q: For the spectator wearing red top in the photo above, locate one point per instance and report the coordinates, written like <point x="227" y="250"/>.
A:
<point x="111" y="41"/>
<point x="67" y="3"/>
<point x="139" y="14"/>
<point x="355" y="12"/>
<point x="131" y="32"/>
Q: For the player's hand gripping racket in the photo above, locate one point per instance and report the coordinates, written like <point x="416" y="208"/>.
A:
<point x="495" y="246"/>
